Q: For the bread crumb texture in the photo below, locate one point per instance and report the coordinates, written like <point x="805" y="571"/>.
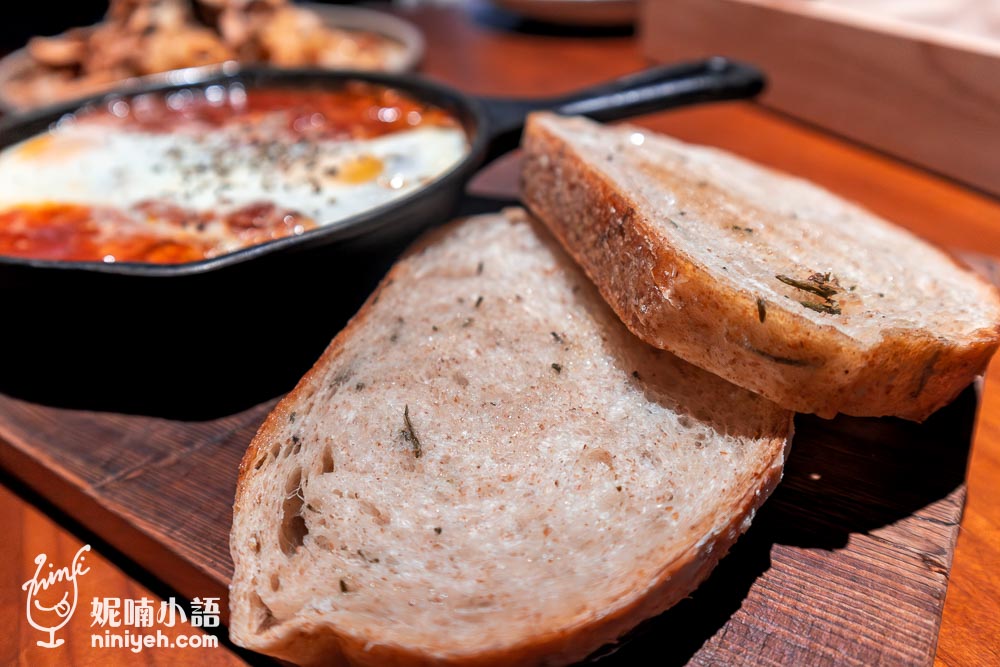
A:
<point x="488" y="466"/>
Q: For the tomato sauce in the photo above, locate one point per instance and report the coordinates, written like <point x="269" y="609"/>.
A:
<point x="356" y="111"/>
<point x="152" y="232"/>
<point x="164" y="232"/>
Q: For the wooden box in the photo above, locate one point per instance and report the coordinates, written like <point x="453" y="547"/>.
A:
<point x="917" y="79"/>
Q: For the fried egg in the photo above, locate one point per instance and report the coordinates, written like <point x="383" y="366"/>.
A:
<point x="327" y="181"/>
<point x="216" y="169"/>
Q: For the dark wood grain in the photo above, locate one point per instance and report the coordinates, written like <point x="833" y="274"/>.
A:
<point x="847" y="564"/>
<point x="158" y="490"/>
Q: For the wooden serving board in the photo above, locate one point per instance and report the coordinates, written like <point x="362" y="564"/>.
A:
<point x="846" y="564"/>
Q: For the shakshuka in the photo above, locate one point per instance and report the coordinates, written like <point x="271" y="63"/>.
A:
<point x="195" y="173"/>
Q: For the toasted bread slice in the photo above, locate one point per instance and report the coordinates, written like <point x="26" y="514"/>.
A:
<point x="764" y="279"/>
<point x="486" y="467"/>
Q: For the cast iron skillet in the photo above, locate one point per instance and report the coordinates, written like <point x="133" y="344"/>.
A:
<point x="205" y="339"/>
<point x="493" y="127"/>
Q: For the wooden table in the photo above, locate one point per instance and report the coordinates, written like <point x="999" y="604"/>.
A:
<point x="38" y="533"/>
<point x="482" y="57"/>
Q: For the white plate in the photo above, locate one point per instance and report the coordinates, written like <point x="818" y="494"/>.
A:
<point x="590" y="13"/>
<point x="350" y="18"/>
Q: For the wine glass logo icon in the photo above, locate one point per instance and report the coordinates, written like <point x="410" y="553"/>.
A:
<point x="53" y="594"/>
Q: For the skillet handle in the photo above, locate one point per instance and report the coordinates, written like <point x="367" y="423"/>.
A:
<point x="653" y="89"/>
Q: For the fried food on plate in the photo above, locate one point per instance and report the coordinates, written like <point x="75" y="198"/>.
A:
<point x="142" y="37"/>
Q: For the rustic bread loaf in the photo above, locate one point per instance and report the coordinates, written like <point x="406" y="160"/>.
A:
<point x="764" y="279"/>
<point x="486" y="467"/>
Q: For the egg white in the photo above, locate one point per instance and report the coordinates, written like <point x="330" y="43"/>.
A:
<point x="94" y="163"/>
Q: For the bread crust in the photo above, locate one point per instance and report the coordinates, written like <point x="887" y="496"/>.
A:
<point x="650" y="593"/>
<point x="794" y="362"/>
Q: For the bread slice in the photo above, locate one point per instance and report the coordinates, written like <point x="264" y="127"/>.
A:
<point x="764" y="279"/>
<point x="486" y="467"/>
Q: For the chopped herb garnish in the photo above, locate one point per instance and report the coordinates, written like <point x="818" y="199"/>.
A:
<point x="635" y="374"/>
<point x="818" y="284"/>
<point x="556" y="337"/>
<point x="557" y="368"/>
<point x="737" y="228"/>
<point x="479" y="301"/>
<point x="925" y="374"/>
<point x="761" y="310"/>
<point x="291" y="418"/>
<point x="785" y="361"/>
<point x="830" y="307"/>
<point x="343" y="587"/>
<point x="479" y="269"/>
<point x="821" y="284"/>
<point x="359" y="386"/>
<point x="437" y="530"/>
<point x="410" y="435"/>
<point x="342" y="377"/>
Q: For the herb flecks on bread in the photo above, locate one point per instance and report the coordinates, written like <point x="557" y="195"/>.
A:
<point x="486" y="467"/>
<point x="764" y="279"/>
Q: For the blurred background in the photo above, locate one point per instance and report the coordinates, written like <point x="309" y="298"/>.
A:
<point x="23" y="20"/>
<point x="919" y="79"/>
